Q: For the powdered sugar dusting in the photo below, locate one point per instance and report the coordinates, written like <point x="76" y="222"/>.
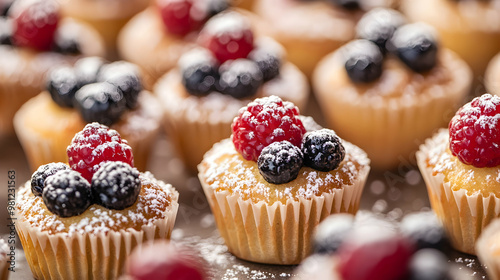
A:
<point x="230" y="22"/>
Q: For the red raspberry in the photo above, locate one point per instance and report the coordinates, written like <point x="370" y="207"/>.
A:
<point x="475" y="132"/>
<point x="227" y="35"/>
<point x="35" y="25"/>
<point x="182" y="16"/>
<point x="264" y="121"/>
<point x="93" y="146"/>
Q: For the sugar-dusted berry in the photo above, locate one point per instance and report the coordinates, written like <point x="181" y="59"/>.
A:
<point x="62" y="84"/>
<point x="96" y="144"/>
<point x="331" y="232"/>
<point x="425" y="230"/>
<point x="199" y="70"/>
<point x="124" y="75"/>
<point x="42" y="173"/>
<point x="322" y="150"/>
<point x="268" y="56"/>
<point x="239" y="78"/>
<point x="88" y="68"/>
<point x="363" y="61"/>
<point x="475" y="132"/>
<point x="182" y="16"/>
<point x="264" y="121"/>
<point x="378" y="25"/>
<point x="67" y="193"/>
<point x="280" y="162"/>
<point x="5" y="31"/>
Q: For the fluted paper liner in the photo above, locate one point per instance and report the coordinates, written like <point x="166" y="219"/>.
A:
<point x="87" y="256"/>
<point x="463" y="215"/>
<point x="4" y="267"/>
<point x="280" y="233"/>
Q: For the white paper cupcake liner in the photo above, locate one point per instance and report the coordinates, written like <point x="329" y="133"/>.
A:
<point x="280" y="233"/>
<point x="488" y="249"/>
<point x="463" y="215"/>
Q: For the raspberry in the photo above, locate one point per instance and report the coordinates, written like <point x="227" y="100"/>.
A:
<point x="322" y="150"/>
<point x="35" y="25"/>
<point x="42" y="173"/>
<point x="264" y="121"/>
<point x="94" y="145"/>
<point x="475" y="132"/>
<point x="280" y="162"/>
<point x="228" y="35"/>
<point x="182" y="16"/>
<point x="66" y="193"/>
<point x="116" y="185"/>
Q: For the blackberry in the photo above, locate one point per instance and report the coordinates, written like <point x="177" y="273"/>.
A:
<point x="346" y="4"/>
<point x="429" y="264"/>
<point x="62" y="84"/>
<point x="67" y="193"/>
<point x="5" y="7"/>
<point x="363" y="61"/>
<point x="268" y="61"/>
<point x="425" y="230"/>
<point x="280" y="162"/>
<point x="331" y="232"/>
<point x="116" y="185"/>
<point x="240" y="78"/>
<point x="416" y="45"/>
<point x="88" y="68"/>
<point x="216" y="6"/>
<point x="5" y="31"/>
<point x="378" y="25"/>
<point x="66" y="42"/>
<point x="42" y="173"/>
<point x="199" y="72"/>
<point x="322" y="150"/>
<point x="100" y="102"/>
<point x="126" y="77"/>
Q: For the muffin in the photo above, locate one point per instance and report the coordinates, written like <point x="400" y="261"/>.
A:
<point x="469" y="28"/>
<point x="487" y="249"/>
<point x="203" y="94"/>
<point x="26" y="56"/>
<point x="107" y="17"/>
<point x="392" y="89"/>
<point x="73" y="227"/>
<point x="460" y="167"/>
<point x="309" y="30"/>
<point x="491" y="76"/>
<point x="268" y="195"/>
<point x="93" y="90"/>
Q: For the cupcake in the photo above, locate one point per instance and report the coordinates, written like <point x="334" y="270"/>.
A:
<point x="460" y="167"/>
<point x="4" y="260"/>
<point x="469" y="28"/>
<point x="271" y="183"/>
<point x="488" y="250"/>
<point x="203" y="94"/>
<point x="29" y="50"/>
<point x="309" y="30"/>
<point x="391" y="89"/>
<point x="107" y="17"/>
<point x="170" y="34"/>
<point x="82" y="221"/>
<point x="92" y="90"/>
<point x="491" y="75"/>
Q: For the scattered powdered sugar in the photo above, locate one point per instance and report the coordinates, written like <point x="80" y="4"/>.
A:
<point x="231" y="22"/>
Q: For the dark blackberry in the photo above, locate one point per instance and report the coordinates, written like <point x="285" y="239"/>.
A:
<point x="199" y="72"/>
<point x="42" y="173"/>
<point x="67" y="193"/>
<point x="116" y="185"/>
<point x="280" y="162"/>
<point x="5" y="31"/>
<point x="378" y="25"/>
<point x="66" y="42"/>
<point x="425" y="230"/>
<point x="62" y="84"/>
<point x="5" y="7"/>
<point x="269" y="62"/>
<point x="416" y="45"/>
<point x="363" y="61"/>
<point x="429" y="264"/>
<point x="346" y="4"/>
<point x="331" y="232"/>
<point x="322" y="150"/>
<point x="88" y="68"/>
<point x="217" y="6"/>
<point x="124" y="75"/>
<point x="100" y="102"/>
<point x="240" y="78"/>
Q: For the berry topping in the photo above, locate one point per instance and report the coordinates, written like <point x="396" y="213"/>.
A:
<point x="268" y="56"/>
<point x="42" y="173"/>
<point x="416" y="45"/>
<point x="429" y="264"/>
<point x="264" y="121"/>
<point x="475" y="132"/>
<point x="378" y="25"/>
<point x="280" y="162"/>
<point x="374" y="253"/>
<point x="331" y="232"/>
<point x="126" y="77"/>
<point x="67" y="193"/>
<point x="347" y="4"/>
<point x="425" y="230"/>
<point x="363" y="61"/>
<point x="199" y="71"/>
<point x="100" y="102"/>
<point x="62" y="84"/>
<point x="182" y="16"/>
<point x="96" y="144"/>
<point x="5" y="7"/>
<point x="116" y="185"/>
<point x="217" y="6"/>
<point x="5" y="31"/>
<point x="36" y="24"/>
<point x="239" y="78"/>
<point x="88" y="68"/>
<point x="165" y="260"/>
<point x="322" y="150"/>
<point x="227" y="35"/>
<point x="66" y="42"/>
